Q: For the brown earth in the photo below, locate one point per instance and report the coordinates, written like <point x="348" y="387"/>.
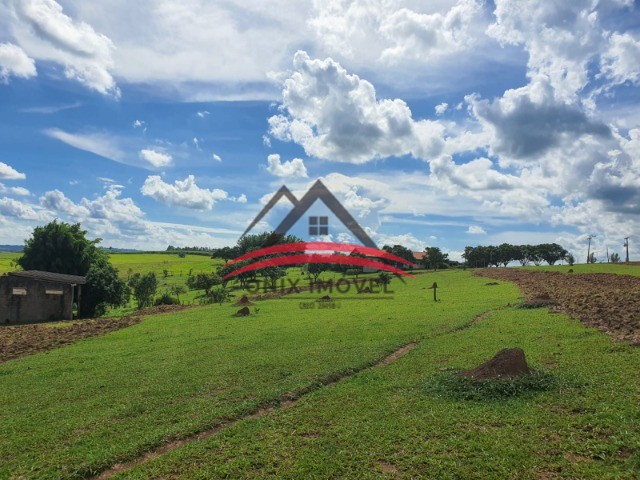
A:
<point x="243" y="301"/>
<point x="243" y="312"/>
<point x="608" y="302"/>
<point x="507" y="363"/>
<point x="20" y="340"/>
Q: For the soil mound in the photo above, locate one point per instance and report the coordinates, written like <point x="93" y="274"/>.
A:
<point x="491" y="284"/>
<point x="326" y="298"/>
<point x="507" y="363"/>
<point x="243" y="312"/>
<point x="244" y="301"/>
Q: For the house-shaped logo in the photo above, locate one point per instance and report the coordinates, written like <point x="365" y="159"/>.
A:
<point x="318" y="225"/>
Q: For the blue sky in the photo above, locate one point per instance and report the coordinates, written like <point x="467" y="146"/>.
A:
<point x="435" y="123"/>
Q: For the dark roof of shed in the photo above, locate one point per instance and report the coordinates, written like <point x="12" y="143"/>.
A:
<point x="50" y="276"/>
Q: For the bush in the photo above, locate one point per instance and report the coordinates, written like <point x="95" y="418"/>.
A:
<point x="103" y="289"/>
<point x="217" y="295"/>
<point x="144" y="288"/>
<point x="166" y="299"/>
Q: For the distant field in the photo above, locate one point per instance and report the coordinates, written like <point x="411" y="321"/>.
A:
<point x="6" y="260"/>
<point x="617" y="268"/>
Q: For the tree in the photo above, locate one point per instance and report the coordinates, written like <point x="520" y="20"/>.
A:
<point x="315" y="269"/>
<point x="570" y="259"/>
<point x="384" y="278"/>
<point x="178" y="290"/>
<point x="61" y="248"/>
<point x="402" y="252"/>
<point x="433" y="257"/>
<point x="144" y="288"/>
<point x="592" y="258"/>
<point x="615" y="258"/>
<point x="203" y="281"/>
<point x="104" y="289"/>
<point x="551" y="252"/>
<point x="272" y="274"/>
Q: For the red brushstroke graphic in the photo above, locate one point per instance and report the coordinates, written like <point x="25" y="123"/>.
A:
<point x="333" y="258"/>
<point x="321" y="246"/>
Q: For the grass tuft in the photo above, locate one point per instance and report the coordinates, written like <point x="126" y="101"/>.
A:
<point x="453" y="386"/>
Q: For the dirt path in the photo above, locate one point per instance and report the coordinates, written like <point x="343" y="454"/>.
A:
<point x="608" y="302"/>
<point x="21" y="340"/>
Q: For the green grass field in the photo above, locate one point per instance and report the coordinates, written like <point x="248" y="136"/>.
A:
<point x="77" y="410"/>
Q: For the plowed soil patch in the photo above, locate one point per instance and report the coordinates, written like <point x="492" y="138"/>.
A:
<point x="608" y="302"/>
<point x="20" y="340"/>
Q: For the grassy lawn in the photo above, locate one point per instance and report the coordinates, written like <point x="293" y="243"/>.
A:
<point x="389" y="420"/>
<point x="77" y="410"/>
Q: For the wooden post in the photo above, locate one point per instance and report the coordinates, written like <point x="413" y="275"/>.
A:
<point x="434" y="287"/>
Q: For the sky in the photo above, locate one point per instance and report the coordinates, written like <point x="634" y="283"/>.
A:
<point x="440" y="123"/>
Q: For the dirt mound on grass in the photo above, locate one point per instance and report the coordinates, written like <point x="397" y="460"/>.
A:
<point x="243" y="301"/>
<point x="507" y="363"/>
<point x="326" y="298"/>
<point x="243" y="312"/>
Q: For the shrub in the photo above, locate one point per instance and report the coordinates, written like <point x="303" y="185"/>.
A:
<point x="166" y="299"/>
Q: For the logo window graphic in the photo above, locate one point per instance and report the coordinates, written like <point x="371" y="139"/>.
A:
<point x="286" y="254"/>
<point x="318" y="226"/>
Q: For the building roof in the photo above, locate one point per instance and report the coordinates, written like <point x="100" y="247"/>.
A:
<point x="418" y="255"/>
<point x="50" y="276"/>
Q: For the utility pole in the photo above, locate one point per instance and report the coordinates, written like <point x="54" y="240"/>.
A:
<point x="589" y="248"/>
<point x="607" y="253"/>
<point x="626" y="245"/>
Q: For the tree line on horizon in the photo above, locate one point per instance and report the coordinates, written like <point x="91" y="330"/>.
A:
<point x="505" y="253"/>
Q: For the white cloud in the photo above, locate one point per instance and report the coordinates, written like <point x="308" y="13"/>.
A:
<point x="621" y="62"/>
<point x="183" y="193"/>
<point x="441" y="108"/>
<point x="19" y="191"/>
<point x="9" y="173"/>
<point x="202" y="114"/>
<point x="394" y="32"/>
<point x="56" y="201"/>
<point x="293" y="168"/>
<point x="476" y="230"/>
<point x="155" y="158"/>
<point x="14" y="208"/>
<point x="15" y="62"/>
<point x="101" y="144"/>
<point x="138" y="123"/>
<point x="216" y="158"/>
<point x="45" y="32"/>
<point x="336" y="116"/>
<point x="421" y="36"/>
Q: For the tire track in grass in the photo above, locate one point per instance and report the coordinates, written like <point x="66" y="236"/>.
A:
<point x="286" y="400"/>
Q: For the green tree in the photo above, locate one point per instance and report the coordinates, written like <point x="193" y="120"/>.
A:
<point x="402" y="252"/>
<point x="144" y="288"/>
<point x="178" y="290"/>
<point x="384" y="278"/>
<point x="433" y="257"/>
<point x="315" y="269"/>
<point x="551" y="252"/>
<point x="104" y="289"/>
<point x="61" y="248"/>
<point x="615" y="258"/>
<point x="272" y="274"/>
<point x="570" y="259"/>
<point x="203" y="281"/>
